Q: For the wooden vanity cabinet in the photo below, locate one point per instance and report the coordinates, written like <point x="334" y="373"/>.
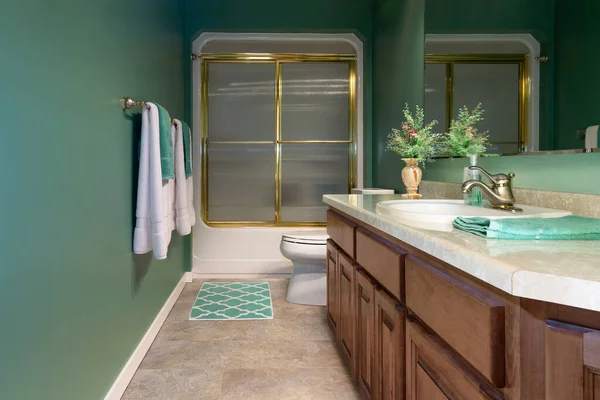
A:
<point x="410" y="326"/>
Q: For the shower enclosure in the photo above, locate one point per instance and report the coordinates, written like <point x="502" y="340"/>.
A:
<point x="278" y="132"/>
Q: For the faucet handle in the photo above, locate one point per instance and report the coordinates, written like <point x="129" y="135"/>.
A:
<point x="503" y="179"/>
<point x="497" y="179"/>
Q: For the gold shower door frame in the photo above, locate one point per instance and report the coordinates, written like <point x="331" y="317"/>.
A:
<point x="450" y="60"/>
<point x="278" y="60"/>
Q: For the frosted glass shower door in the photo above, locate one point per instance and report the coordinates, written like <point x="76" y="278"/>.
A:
<point x="436" y="96"/>
<point x="316" y="135"/>
<point x="241" y="142"/>
<point x="497" y="87"/>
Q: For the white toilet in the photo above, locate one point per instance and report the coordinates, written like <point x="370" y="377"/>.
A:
<point x="307" y="250"/>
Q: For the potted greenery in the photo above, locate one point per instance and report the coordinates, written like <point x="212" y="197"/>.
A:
<point x="416" y="143"/>
<point x="463" y="139"/>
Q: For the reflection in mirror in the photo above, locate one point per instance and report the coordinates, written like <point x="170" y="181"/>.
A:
<point x="531" y="63"/>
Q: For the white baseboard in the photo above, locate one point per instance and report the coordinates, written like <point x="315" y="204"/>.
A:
<point x="241" y="266"/>
<point x="197" y="275"/>
<point x="122" y="381"/>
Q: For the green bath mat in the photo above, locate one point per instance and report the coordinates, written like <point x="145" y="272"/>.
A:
<point x="233" y="300"/>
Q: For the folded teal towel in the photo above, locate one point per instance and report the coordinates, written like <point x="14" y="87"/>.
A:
<point x="187" y="142"/>
<point x="565" y="228"/>
<point x="167" y="164"/>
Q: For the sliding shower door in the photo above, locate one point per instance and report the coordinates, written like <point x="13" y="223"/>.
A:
<point x="315" y="135"/>
<point x="278" y="133"/>
<point x="241" y="152"/>
<point x="496" y="81"/>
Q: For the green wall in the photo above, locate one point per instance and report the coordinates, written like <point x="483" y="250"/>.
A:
<point x="331" y="16"/>
<point x="75" y="301"/>
<point x="507" y="16"/>
<point x="577" y="101"/>
<point x="398" y="78"/>
<point x="569" y="87"/>
<point x="577" y="173"/>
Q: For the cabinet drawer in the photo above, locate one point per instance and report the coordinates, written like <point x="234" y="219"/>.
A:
<point x="435" y="372"/>
<point x="341" y="231"/>
<point x="468" y="317"/>
<point x="382" y="261"/>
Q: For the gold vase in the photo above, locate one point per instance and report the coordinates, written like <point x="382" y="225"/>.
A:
<point x="411" y="177"/>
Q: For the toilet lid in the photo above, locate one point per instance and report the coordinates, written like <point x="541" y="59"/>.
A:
<point x="306" y="237"/>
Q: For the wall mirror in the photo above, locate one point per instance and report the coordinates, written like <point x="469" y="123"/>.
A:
<point x="533" y="64"/>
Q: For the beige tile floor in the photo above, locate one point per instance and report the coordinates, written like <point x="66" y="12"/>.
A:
<point x="290" y="357"/>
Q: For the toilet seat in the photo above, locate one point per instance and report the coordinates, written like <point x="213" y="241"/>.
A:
<point x="306" y="237"/>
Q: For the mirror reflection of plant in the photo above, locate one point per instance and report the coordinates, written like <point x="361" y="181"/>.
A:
<point x="414" y="139"/>
<point x="463" y="138"/>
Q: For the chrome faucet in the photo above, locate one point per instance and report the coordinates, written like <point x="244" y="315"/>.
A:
<point x="499" y="194"/>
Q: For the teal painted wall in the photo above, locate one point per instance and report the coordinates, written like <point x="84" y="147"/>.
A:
<point x="577" y="173"/>
<point x="569" y="87"/>
<point x="577" y="101"/>
<point x="75" y="302"/>
<point x="506" y="16"/>
<point x="331" y="16"/>
<point x="398" y="77"/>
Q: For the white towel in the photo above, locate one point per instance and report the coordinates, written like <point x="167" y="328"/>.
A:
<point x="190" y="186"/>
<point x="182" y="224"/>
<point x="155" y="201"/>
<point x="591" y="137"/>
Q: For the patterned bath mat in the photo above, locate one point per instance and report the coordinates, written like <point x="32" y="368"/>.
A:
<point x="233" y="300"/>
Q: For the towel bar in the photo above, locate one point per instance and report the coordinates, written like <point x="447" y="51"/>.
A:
<point x="128" y="102"/>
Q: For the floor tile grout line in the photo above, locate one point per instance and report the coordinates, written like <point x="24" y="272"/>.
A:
<point x="221" y="383"/>
<point x="184" y="354"/>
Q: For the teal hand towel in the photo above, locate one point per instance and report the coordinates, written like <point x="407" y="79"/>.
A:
<point x="571" y="227"/>
<point x="187" y="143"/>
<point x="167" y="164"/>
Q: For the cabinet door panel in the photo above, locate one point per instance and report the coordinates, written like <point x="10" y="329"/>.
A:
<point x="332" y="288"/>
<point x="389" y="357"/>
<point x="572" y="362"/>
<point x="365" y="339"/>
<point x="467" y="317"/>
<point x="426" y="389"/>
<point x="451" y="375"/>
<point x="347" y="277"/>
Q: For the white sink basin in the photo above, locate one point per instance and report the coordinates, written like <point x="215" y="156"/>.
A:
<point x="439" y="214"/>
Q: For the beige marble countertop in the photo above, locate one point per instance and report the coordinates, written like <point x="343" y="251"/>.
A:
<point x="559" y="271"/>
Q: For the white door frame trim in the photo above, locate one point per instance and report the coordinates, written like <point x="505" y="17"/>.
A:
<point x="230" y="252"/>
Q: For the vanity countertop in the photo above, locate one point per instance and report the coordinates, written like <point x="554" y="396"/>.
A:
<point x="560" y="271"/>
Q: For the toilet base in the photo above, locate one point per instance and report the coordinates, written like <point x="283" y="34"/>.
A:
<point x="308" y="285"/>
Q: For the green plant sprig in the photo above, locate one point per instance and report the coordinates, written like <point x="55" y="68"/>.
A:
<point x="463" y="138"/>
<point x="414" y="139"/>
